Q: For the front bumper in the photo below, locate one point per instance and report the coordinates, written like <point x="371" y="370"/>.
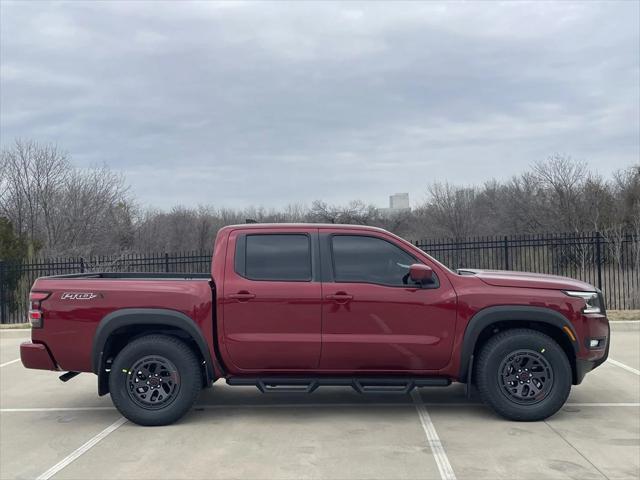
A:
<point x="595" y="357"/>
<point x="36" y="355"/>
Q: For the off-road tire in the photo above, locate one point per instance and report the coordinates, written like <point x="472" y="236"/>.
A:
<point x="180" y="367"/>
<point x="490" y="380"/>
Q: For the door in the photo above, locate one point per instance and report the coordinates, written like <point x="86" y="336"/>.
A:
<point x="271" y="309"/>
<point x="373" y="317"/>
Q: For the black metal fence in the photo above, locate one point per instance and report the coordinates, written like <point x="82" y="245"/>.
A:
<point x="16" y="278"/>
<point x="610" y="262"/>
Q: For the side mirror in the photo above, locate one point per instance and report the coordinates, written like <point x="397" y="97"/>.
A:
<point x="420" y="273"/>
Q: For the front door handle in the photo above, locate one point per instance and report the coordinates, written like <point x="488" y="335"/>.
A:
<point x="242" y="296"/>
<point x="340" y="297"/>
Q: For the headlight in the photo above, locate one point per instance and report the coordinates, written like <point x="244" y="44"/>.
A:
<point x="591" y="300"/>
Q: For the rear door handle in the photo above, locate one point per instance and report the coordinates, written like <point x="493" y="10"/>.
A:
<point x="242" y="296"/>
<point x="340" y="297"/>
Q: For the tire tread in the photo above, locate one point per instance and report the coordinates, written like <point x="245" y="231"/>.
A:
<point x="187" y="395"/>
<point x="490" y="393"/>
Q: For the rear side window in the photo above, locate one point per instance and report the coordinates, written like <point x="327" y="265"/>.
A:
<point x="285" y="257"/>
<point x="358" y="258"/>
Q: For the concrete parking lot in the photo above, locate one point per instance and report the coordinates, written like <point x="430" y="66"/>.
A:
<point x="53" y="430"/>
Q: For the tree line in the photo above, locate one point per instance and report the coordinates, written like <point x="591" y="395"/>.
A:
<point x="49" y="207"/>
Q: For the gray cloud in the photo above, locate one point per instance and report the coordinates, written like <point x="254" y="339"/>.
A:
<point x="273" y="103"/>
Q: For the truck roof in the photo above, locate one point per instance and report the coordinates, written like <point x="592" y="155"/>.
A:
<point x="333" y="226"/>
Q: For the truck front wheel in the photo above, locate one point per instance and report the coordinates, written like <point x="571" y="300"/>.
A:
<point x="523" y="375"/>
<point x="155" y="380"/>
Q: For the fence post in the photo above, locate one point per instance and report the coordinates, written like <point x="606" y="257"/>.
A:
<point x="166" y="263"/>
<point x="599" y="260"/>
<point x="81" y="265"/>
<point x="3" y="296"/>
<point x="506" y="253"/>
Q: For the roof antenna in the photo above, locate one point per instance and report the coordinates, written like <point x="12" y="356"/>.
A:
<point x="250" y="220"/>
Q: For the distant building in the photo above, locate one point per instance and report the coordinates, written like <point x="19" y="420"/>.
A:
<point x="398" y="203"/>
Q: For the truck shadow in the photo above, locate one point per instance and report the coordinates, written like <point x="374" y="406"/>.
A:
<point x="222" y="394"/>
<point x="327" y="402"/>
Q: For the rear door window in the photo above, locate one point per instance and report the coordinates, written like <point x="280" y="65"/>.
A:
<point x="284" y="257"/>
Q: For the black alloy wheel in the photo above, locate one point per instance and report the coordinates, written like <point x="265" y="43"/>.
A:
<point x="525" y="377"/>
<point x="153" y="382"/>
<point x="155" y="379"/>
<point x="523" y="374"/>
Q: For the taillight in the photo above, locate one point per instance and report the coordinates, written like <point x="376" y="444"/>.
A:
<point x="35" y="314"/>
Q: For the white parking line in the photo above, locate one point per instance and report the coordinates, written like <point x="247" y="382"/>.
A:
<point x="622" y="365"/>
<point x="54" y="409"/>
<point x="302" y="405"/>
<point x="9" y="363"/>
<point x="81" y="450"/>
<point x="446" y="472"/>
<point x="230" y="406"/>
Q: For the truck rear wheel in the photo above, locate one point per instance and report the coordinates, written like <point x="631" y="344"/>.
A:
<point x="523" y="375"/>
<point x="155" y="380"/>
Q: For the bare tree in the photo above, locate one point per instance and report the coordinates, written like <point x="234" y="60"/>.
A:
<point x="61" y="209"/>
<point x="561" y="179"/>
<point x="64" y="210"/>
<point x="91" y="213"/>
<point x="355" y="212"/>
<point x="33" y="174"/>
<point x="452" y="209"/>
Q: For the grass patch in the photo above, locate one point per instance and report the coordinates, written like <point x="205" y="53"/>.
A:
<point x="12" y="326"/>
<point x="623" y="315"/>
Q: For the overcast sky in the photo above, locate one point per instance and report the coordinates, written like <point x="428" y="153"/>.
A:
<point x="274" y="103"/>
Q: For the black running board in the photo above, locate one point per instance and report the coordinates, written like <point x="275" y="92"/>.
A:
<point x="359" y="384"/>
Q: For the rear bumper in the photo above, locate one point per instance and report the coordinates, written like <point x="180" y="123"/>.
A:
<point x="36" y="355"/>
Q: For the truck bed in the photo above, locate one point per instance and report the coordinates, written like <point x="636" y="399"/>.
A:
<point x="78" y="303"/>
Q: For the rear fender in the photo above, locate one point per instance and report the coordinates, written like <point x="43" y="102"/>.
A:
<point x="141" y="317"/>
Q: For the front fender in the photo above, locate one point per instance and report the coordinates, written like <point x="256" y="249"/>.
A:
<point x="491" y="315"/>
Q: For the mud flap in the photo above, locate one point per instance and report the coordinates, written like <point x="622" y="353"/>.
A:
<point x="469" y="386"/>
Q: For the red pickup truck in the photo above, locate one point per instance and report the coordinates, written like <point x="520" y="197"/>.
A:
<point x="291" y="307"/>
